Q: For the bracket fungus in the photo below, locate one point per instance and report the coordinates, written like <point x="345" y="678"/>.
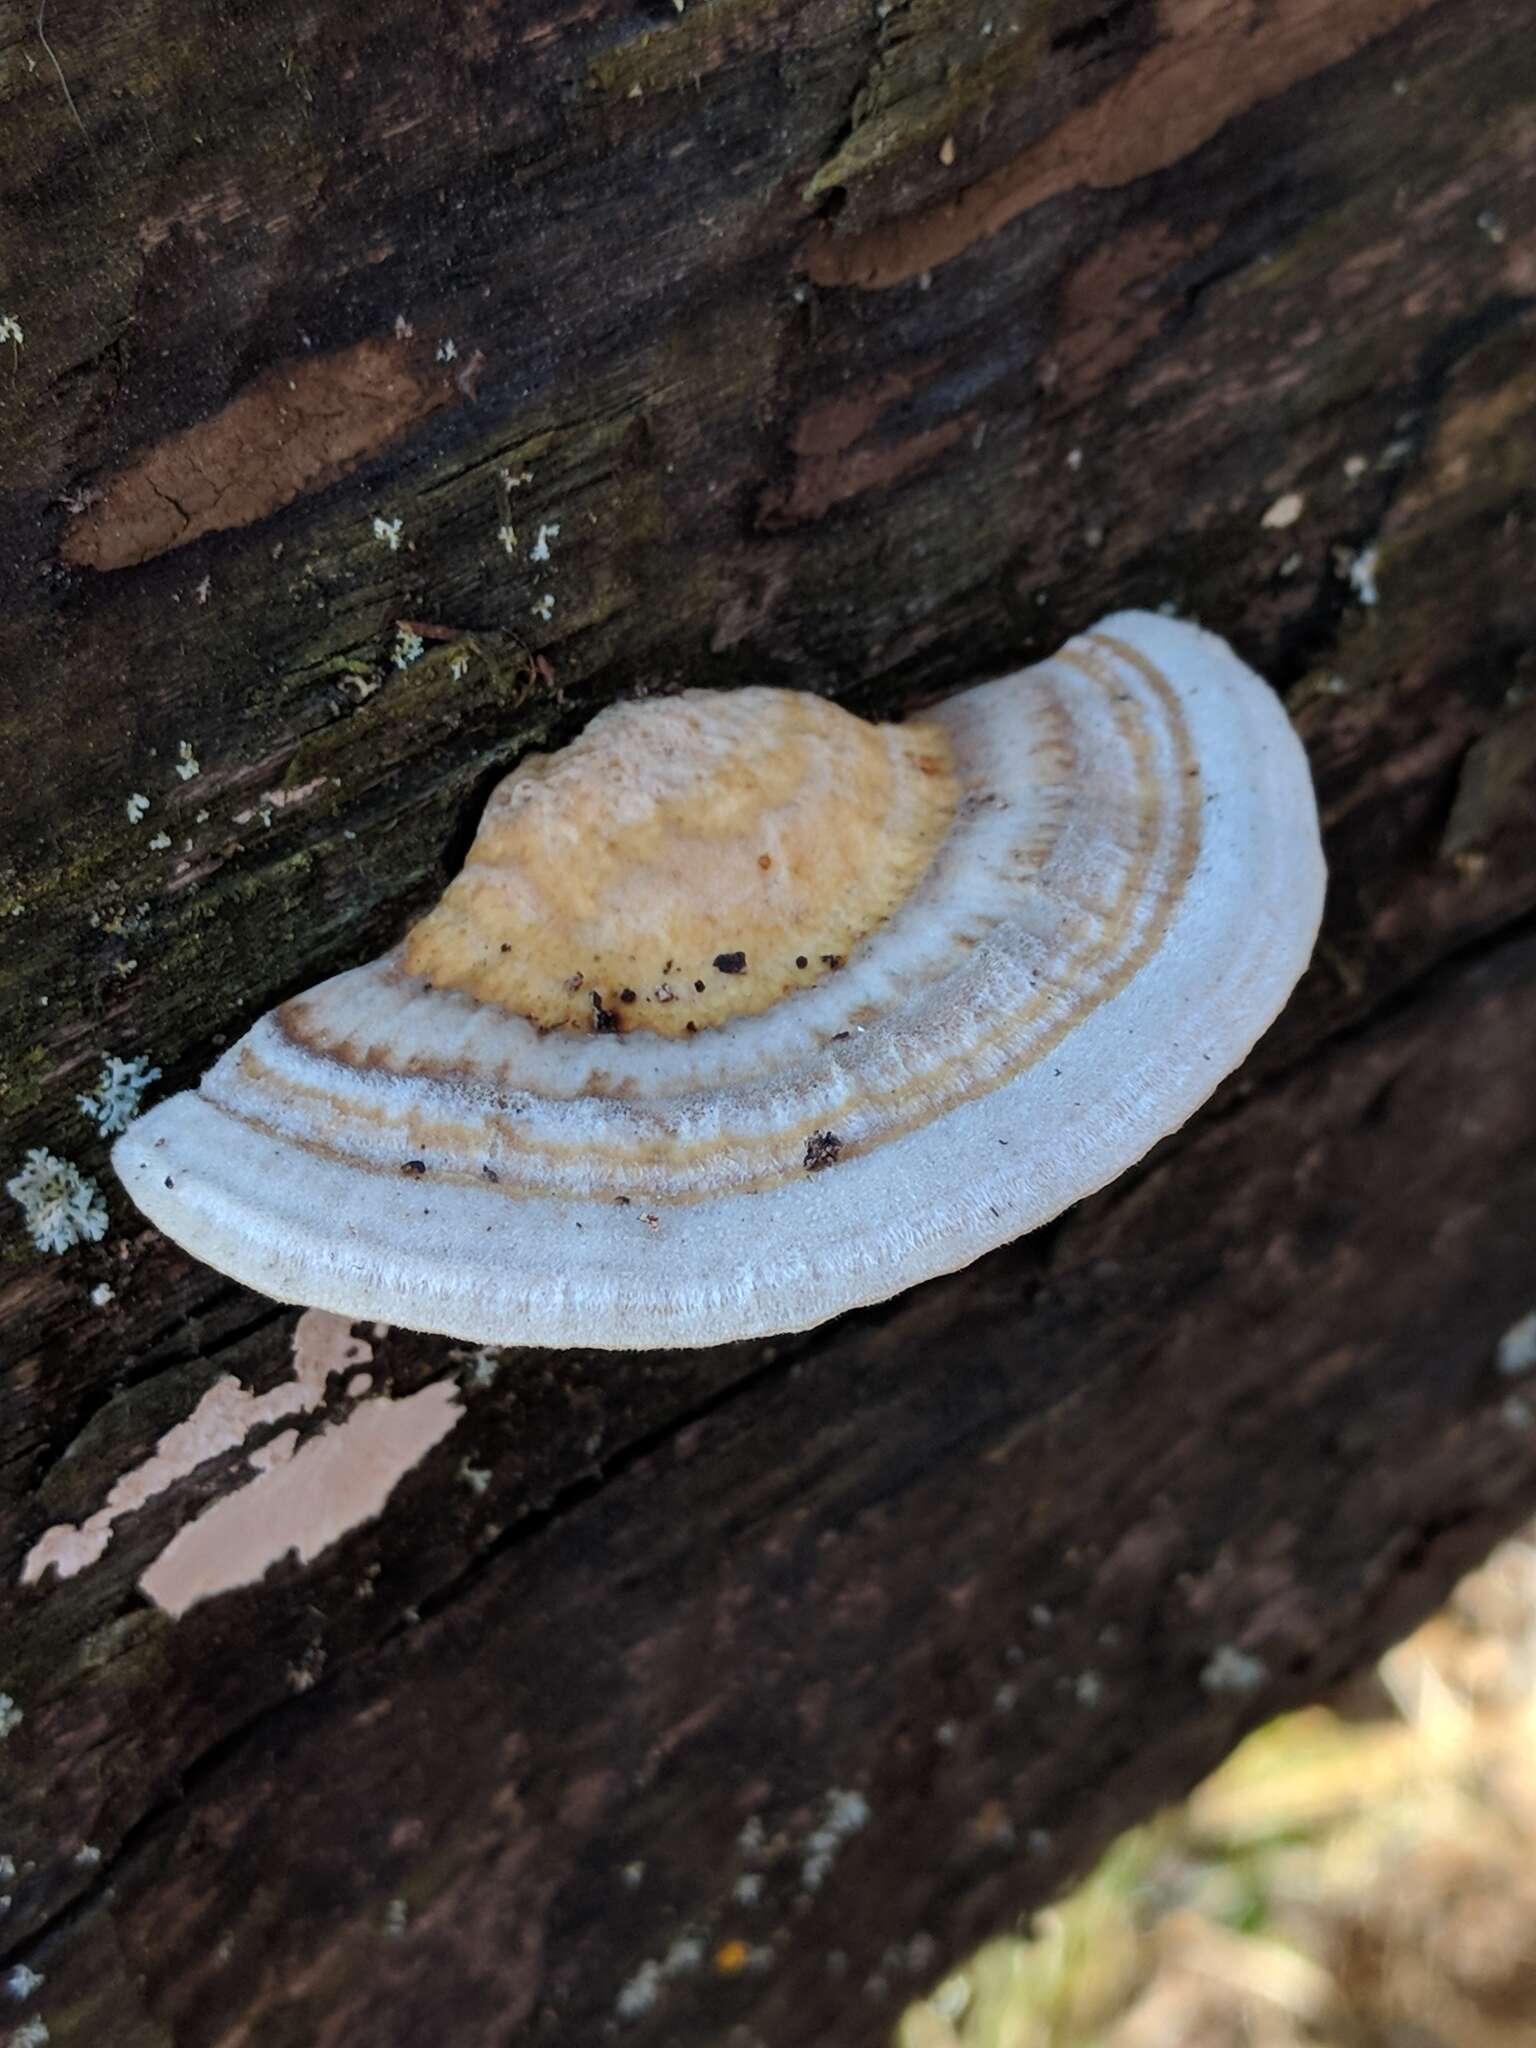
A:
<point x="745" y="1011"/>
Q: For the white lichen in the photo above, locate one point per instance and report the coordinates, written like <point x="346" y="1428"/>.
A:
<point x="447" y="350"/>
<point x="516" y="483"/>
<point x="187" y="763"/>
<point x="86" y="1857"/>
<point x="403" y="328"/>
<point x="114" y="1102"/>
<point x="22" y="1982"/>
<point x="11" y="1715"/>
<point x="1362" y="575"/>
<point x="408" y="647"/>
<point x="136" y="806"/>
<point x="387" y="531"/>
<point x="507" y="535"/>
<point x="639" y="1995"/>
<point x="544" y="607"/>
<point x="748" y="1888"/>
<point x="1088" y="1689"/>
<point x="59" y="1206"/>
<point x="160" y="843"/>
<point x="202" y="589"/>
<point x="10" y="330"/>
<point x="397" y="1916"/>
<point x="686" y="1953"/>
<point x="458" y="667"/>
<point x="847" y="1812"/>
<point x="476" y="1477"/>
<point x="31" y="2033"/>
<point x="539" y="552"/>
<point x="1232" y="1670"/>
<point x="1517" y="1347"/>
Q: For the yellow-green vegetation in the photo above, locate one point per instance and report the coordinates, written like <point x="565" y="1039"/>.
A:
<point x="1356" y="1875"/>
<point x="678" y="53"/>
<point x="917" y="89"/>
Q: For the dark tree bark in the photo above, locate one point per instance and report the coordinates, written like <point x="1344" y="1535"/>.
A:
<point x="862" y="350"/>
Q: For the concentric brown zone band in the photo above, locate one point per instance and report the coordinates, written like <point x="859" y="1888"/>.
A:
<point x="1102" y="967"/>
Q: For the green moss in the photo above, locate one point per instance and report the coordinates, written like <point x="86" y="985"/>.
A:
<point x="918" y="93"/>
<point x="680" y="52"/>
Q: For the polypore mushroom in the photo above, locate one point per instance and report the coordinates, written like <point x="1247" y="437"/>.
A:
<point x="744" y="1011"/>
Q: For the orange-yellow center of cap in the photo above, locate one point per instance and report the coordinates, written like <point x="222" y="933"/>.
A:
<point x="688" y="859"/>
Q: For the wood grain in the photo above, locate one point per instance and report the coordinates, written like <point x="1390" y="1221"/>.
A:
<point x="488" y="1760"/>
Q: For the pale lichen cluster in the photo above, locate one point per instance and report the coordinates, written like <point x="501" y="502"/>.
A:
<point x="114" y="1102"/>
<point x="408" y="647"/>
<point x="59" y="1206"/>
<point x="847" y="1813"/>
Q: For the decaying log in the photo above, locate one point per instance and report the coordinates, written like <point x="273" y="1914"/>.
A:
<point x="725" y="1696"/>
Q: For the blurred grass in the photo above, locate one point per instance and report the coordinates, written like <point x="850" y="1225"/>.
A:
<point x="1361" y="1875"/>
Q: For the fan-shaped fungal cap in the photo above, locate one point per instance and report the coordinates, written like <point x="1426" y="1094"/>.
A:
<point x="745" y="1011"/>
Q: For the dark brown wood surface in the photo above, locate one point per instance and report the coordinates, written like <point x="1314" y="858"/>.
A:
<point x="866" y="351"/>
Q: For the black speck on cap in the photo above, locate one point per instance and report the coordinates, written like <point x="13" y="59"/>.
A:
<point x="821" y="1149"/>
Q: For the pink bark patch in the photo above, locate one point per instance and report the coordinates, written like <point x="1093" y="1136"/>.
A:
<point x="222" y="1420"/>
<point x="303" y="1499"/>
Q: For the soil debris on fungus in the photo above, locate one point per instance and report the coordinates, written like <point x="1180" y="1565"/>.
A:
<point x="822" y="1148"/>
